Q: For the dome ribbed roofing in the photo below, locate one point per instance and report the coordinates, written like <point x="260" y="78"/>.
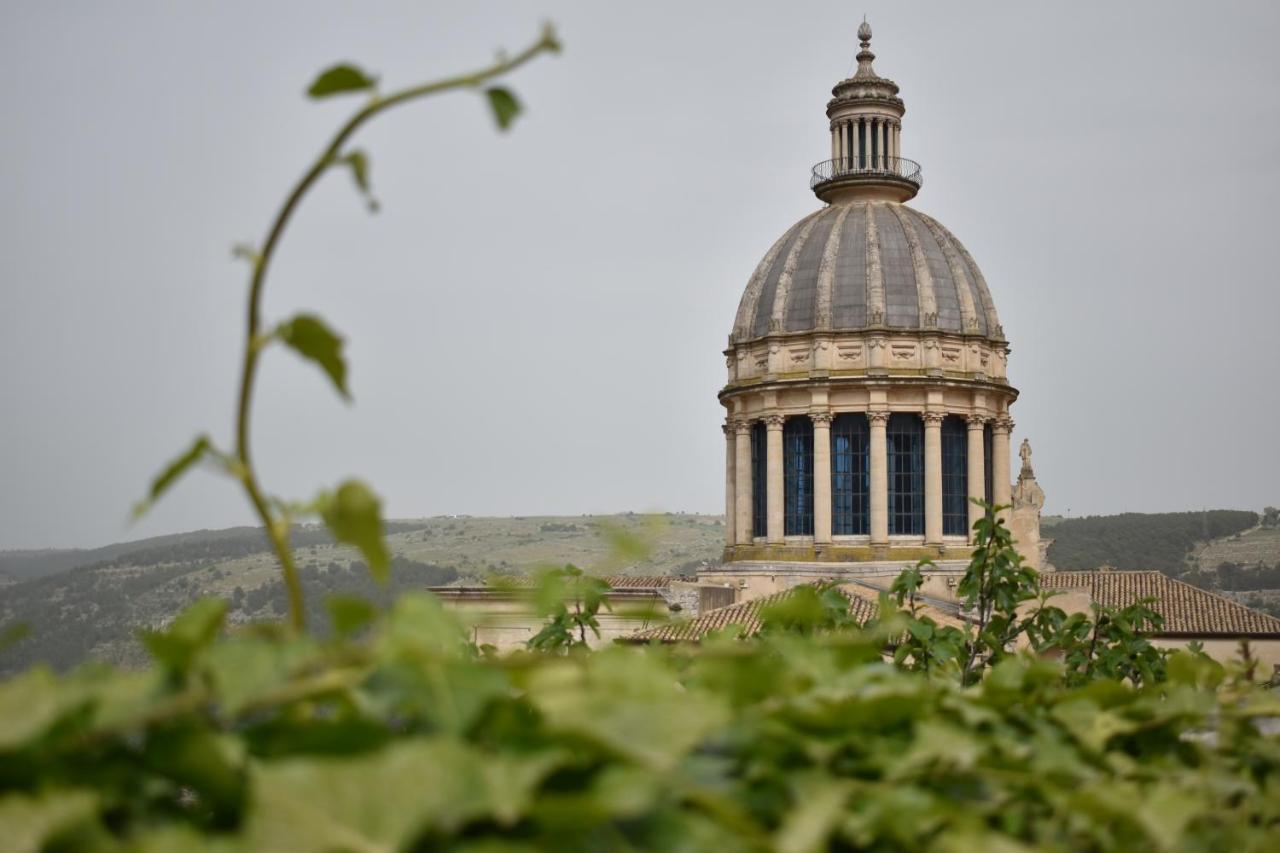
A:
<point x="862" y="265"/>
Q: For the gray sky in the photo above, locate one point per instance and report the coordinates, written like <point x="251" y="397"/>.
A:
<point x="535" y="320"/>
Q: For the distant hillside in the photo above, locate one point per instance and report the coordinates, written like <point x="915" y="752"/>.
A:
<point x="175" y="547"/>
<point x="1133" y="540"/>
<point x="90" y="603"/>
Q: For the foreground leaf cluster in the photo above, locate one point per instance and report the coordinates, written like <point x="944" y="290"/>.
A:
<point x="399" y="735"/>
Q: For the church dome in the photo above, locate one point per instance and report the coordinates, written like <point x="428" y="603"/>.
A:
<point x="867" y="391"/>
<point x="866" y="264"/>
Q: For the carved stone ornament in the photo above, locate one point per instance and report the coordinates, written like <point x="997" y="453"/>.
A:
<point x="799" y="354"/>
<point x="1004" y="423"/>
<point x="977" y="421"/>
<point x="903" y="352"/>
<point x="876" y="317"/>
<point x="849" y="352"/>
<point x="951" y="355"/>
<point x="878" y="418"/>
<point x="821" y="418"/>
<point x="933" y="418"/>
<point x="742" y="426"/>
<point x="775" y="421"/>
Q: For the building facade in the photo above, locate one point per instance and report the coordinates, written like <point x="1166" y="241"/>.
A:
<point x="867" y="397"/>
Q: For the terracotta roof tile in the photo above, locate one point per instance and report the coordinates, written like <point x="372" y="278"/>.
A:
<point x="1187" y="610"/>
<point x="745" y="615"/>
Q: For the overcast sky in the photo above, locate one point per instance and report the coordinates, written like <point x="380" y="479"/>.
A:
<point x="535" y="320"/>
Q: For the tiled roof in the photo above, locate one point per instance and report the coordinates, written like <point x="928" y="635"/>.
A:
<point x="745" y="615"/>
<point x="615" y="581"/>
<point x="1187" y="610"/>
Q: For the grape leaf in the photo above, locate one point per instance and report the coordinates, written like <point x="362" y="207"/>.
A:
<point x="312" y="339"/>
<point x="339" y="80"/>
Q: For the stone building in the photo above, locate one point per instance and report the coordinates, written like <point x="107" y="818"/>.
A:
<point x="867" y="396"/>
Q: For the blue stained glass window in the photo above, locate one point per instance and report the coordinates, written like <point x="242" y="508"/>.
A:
<point x="987" y="457"/>
<point x="759" y="481"/>
<point x="797" y="476"/>
<point x="850" y="509"/>
<point x="905" y="436"/>
<point x="955" y="476"/>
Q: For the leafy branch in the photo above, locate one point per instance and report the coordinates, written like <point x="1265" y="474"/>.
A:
<point x="352" y="512"/>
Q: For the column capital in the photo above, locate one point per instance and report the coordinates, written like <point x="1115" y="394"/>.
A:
<point x="933" y="419"/>
<point x="774" y="421"/>
<point x="977" y="421"/>
<point x="1002" y="423"/>
<point x="741" y="426"/>
<point x="878" y="418"/>
<point x="821" y="418"/>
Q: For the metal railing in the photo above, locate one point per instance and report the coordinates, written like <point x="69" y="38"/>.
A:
<point x="868" y="166"/>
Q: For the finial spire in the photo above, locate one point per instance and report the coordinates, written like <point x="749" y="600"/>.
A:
<point x="865" y="56"/>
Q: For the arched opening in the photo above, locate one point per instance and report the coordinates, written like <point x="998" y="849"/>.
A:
<point x="850" y="458"/>
<point x="797" y="476"/>
<point x="955" y="476"/>
<point x="905" y="438"/>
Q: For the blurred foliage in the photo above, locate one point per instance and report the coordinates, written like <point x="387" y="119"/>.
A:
<point x="409" y="738"/>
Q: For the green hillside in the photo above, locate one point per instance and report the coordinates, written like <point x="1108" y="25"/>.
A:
<point x="1134" y="541"/>
<point x="83" y="604"/>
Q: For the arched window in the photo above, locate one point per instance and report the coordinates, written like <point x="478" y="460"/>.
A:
<point x="955" y="476"/>
<point x="849" y="464"/>
<point x="906" y="475"/>
<point x="759" y="481"/>
<point x="797" y="476"/>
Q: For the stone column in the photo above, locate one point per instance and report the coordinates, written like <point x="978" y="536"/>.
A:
<point x="821" y="478"/>
<point x="933" y="478"/>
<point x="977" y="485"/>
<point x="884" y="144"/>
<point x="1001" y="487"/>
<point x="879" y="478"/>
<point x="773" y="471"/>
<point x="730" y="495"/>
<point x="835" y="144"/>
<point x="854" y="146"/>
<point x="743" y="526"/>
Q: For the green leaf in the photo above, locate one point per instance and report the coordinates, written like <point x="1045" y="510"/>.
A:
<point x="349" y="614"/>
<point x="358" y="160"/>
<point x="172" y="472"/>
<point x="380" y="801"/>
<point x="309" y="337"/>
<point x="189" y="633"/>
<point x="339" y="80"/>
<point x="29" y="823"/>
<point x="504" y="105"/>
<point x="353" y="515"/>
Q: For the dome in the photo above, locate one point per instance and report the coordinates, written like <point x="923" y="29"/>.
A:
<point x="866" y="264"/>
